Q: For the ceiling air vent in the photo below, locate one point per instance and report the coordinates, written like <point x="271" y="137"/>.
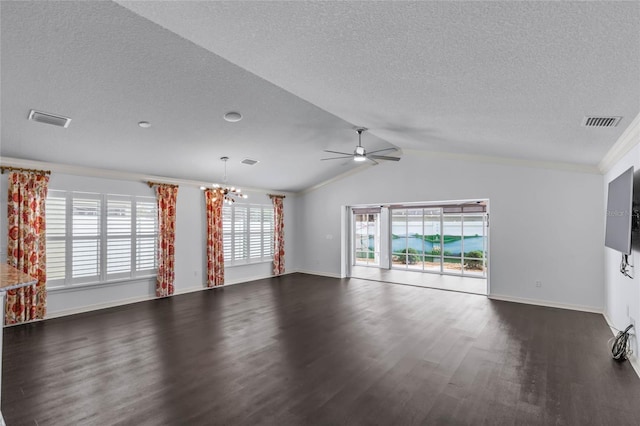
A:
<point x="591" y="121"/>
<point x="249" y="161"/>
<point x="55" y="120"/>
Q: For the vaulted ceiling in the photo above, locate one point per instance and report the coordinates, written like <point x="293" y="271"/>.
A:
<point x="506" y="79"/>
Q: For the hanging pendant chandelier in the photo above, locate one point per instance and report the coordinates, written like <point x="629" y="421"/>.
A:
<point x="229" y="194"/>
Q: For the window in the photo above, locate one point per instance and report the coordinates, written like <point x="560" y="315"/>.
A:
<point x="247" y="231"/>
<point x="99" y="237"/>
<point x="450" y="239"/>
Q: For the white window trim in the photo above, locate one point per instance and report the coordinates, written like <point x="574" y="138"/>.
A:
<point x="68" y="282"/>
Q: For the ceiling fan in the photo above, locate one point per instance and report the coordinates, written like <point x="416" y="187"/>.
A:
<point x="360" y="154"/>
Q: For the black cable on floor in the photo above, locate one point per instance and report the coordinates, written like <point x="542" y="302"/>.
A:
<point x="621" y="347"/>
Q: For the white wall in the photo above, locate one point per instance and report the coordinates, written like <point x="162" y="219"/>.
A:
<point x="190" y="257"/>
<point x="545" y="225"/>
<point x="622" y="294"/>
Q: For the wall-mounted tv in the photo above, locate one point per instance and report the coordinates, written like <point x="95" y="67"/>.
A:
<point x="619" y="213"/>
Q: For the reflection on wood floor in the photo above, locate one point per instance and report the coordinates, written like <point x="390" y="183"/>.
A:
<point x="310" y="350"/>
<point x="444" y="282"/>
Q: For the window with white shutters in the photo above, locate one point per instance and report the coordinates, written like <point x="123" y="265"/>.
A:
<point x="146" y="234"/>
<point x="267" y="231"/>
<point x="119" y="238"/>
<point x="94" y="238"/>
<point x="247" y="231"/>
<point x="56" y="212"/>
<point x="239" y="232"/>
<point x="85" y="237"/>
<point x="227" y="234"/>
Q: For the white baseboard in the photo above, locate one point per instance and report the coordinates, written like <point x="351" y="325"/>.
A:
<point x="546" y="303"/>
<point x="95" y="307"/>
<point x="633" y="359"/>
<point x="322" y="274"/>
<point x="248" y="279"/>
<point x="121" y="302"/>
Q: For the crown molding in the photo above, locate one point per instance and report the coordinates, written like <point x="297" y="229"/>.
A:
<point x="629" y="138"/>
<point x="570" y="167"/>
<point x="553" y="165"/>
<point x="114" y="174"/>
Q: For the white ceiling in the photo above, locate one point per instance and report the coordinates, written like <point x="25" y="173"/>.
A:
<point x="508" y="79"/>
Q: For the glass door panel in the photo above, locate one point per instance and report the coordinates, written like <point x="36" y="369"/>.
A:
<point x="475" y="244"/>
<point x="447" y="240"/>
<point x="452" y="243"/>
<point x="367" y="239"/>
<point x="432" y="240"/>
<point x="399" y="238"/>
<point x="414" y="252"/>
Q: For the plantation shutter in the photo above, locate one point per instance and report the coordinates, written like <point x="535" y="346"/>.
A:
<point x="56" y="208"/>
<point x="227" y="233"/>
<point x="255" y="232"/>
<point x="85" y="237"/>
<point x="119" y="241"/>
<point x="240" y="218"/>
<point x="146" y="234"/>
<point x="267" y="223"/>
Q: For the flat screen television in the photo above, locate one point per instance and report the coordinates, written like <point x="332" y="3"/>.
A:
<point x="619" y="213"/>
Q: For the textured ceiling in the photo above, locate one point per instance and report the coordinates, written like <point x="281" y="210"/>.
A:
<point x="510" y="79"/>
<point x="107" y="68"/>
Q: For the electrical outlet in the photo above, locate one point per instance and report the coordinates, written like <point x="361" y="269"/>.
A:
<point x="538" y="283"/>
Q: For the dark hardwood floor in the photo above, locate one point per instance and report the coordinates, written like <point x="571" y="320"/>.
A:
<point x="308" y="350"/>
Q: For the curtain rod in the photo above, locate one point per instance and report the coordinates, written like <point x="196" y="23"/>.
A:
<point x="20" y="169"/>
<point x="276" y="196"/>
<point x="152" y="184"/>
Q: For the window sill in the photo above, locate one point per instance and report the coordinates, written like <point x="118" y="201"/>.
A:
<point x="84" y="286"/>
<point x="255" y="262"/>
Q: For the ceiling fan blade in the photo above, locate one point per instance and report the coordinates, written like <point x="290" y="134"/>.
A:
<point x="371" y="159"/>
<point x="338" y="152"/>
<point x="382" y="150"/>
<point x="337" y="158"/>
<point x="384" y="157"/>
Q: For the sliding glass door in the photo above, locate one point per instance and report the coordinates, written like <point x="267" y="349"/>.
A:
<point x="443" y="239"/>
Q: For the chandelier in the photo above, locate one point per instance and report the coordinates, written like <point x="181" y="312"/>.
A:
<point x="229" y="194"/>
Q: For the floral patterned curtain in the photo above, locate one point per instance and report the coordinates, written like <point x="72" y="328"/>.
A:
<point x="27" y="244"/>
<point x="215" y="250"/>
<point x="167" y="196"/>
<point x="278" y="234"/>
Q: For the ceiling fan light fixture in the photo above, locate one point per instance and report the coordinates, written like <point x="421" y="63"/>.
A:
<point x="360" y="154"/>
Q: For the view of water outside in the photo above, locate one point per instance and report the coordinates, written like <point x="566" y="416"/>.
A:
<point x="426" y="239"/>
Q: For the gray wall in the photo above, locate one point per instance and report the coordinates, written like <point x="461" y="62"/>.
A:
<point x="622" y="297"/>
<point x="190" y="258"/>
<point x="546" y="225"/>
